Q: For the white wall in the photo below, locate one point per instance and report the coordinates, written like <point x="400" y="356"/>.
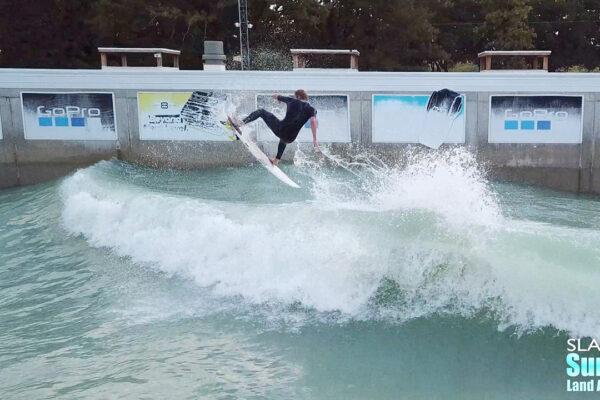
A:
<point x="320" y="80"/>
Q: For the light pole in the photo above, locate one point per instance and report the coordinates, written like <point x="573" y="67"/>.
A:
<point x="244" y="26"/>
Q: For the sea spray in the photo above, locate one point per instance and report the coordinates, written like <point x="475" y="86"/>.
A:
<point x="447" y="183"/>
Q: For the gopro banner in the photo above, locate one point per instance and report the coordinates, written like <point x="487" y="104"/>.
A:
<point x="333" y="118"/>
<point x="414" y="118"/>
<point x="182" y="116"/>
<point x="69" y="116"/>
<point x="535" y="119"/>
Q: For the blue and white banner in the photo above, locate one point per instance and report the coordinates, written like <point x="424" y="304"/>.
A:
<point x="333" y="118"/>
<point x="69" y="116"/>
<point x="401" y="118"/>
<point x="535" y="119"/>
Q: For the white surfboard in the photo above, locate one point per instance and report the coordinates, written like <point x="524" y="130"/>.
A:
<point x="262" y="157"/>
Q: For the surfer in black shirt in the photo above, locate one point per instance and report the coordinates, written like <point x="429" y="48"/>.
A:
<point x="298" y="112"/>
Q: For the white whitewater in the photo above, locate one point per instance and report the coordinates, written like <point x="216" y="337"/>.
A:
<point x="435" y="233"/>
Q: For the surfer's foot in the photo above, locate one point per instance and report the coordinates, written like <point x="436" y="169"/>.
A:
<point x="237" y="121"/>
<point x="275" y="161"/>
<point x="228" y="126"/>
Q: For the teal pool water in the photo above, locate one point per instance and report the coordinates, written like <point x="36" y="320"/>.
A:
<point x="424" y="282"/>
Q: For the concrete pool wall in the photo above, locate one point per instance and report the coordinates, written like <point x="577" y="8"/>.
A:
<point x="572" y="165"/>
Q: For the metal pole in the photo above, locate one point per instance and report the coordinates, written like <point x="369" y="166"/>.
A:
<point x="244" y="41"/>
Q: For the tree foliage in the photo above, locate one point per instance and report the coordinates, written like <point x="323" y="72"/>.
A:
<point x="390" y="34"/>
<point x="571" y="29"/>
<point x="505" y="26"/>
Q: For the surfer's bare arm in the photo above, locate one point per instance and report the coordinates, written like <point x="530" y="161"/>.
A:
<point x="313" y="127"/>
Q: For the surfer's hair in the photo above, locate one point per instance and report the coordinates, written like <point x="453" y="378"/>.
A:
<point x="301" y="94"/>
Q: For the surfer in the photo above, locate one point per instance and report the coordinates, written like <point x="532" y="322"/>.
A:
<point x="298" y="112"/>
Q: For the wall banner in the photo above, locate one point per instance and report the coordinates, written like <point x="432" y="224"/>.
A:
<point x="69" y="116"/>
<point x="183" y="116"/>
<point x="401" y="118"/>
<point x="333" y="118"/>
<point x="535" y="119"/>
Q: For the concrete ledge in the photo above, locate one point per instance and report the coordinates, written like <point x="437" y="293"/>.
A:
<point x="9" y="175"/>
<point x="35" y="152"/>
<point x="531" y="155"/>
<point x="324" y="80"/>
<point x="565" y="179"/>
<point x="33" y="173"/>
<point x="188" y="154"/>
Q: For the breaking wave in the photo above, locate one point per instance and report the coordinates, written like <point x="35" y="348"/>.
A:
<point x="366" y="241"/>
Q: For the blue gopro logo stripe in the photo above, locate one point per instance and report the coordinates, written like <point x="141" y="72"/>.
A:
<point x="61" y="121"/>
<point x="77" y="121"/>
<point x="544" y="125"/>
<point x="528" y="125"/>
<point x="45" y="121"/>
<point x="511" y="125"/>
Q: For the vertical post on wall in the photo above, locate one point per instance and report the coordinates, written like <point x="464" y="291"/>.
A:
<point x="353" y="61"/>
<point x="244" y="41"/>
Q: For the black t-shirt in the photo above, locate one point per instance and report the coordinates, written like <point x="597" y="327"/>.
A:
<point x="298" y="112"/>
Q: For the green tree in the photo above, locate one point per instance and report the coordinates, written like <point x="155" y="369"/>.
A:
<point x="283" y="24"/>
<point x="505" y="26"/>
<point x="456" y="22"/>
<point x="45" y="34"/>
<point x="571" y="29"/>
<point x="178" y="24"/>
<point x="391" y="34"/>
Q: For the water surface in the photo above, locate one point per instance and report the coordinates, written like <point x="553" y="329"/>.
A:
<point x="424" y="282"/>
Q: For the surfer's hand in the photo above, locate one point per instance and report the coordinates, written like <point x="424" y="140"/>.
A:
<point x="275" y="96"/>
<point x="275" y="161"/>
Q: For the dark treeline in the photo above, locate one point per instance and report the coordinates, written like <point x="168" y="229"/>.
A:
<point x="437" y="35"/>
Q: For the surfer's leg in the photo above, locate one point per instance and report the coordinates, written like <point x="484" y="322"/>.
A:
<point x="280" y="149"/>
<point x="270" y="119"/>
<point x="286" y="136"/>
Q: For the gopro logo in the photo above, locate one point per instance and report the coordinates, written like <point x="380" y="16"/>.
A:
<point x="538" y="119"/>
